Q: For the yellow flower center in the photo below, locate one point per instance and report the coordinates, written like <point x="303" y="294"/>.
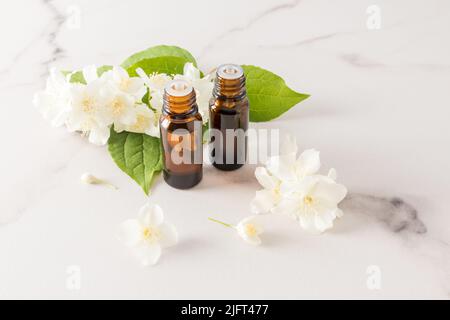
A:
<point x="147" y="233"/>
<point x="150" y="234"/>
<point x="277" y="190"/>
<point x="141" y="123"/>
<point x="118" y="107"/>
<point x="250" y="230"/>
<point x="87" y="105"/>
<point x="308" y="200"/>
<point x="124" y="84"/>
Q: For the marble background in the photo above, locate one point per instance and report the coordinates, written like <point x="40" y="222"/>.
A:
<point x="378" y="113"/>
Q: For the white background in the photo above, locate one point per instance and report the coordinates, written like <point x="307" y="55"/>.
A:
<point x="378" y="113"/>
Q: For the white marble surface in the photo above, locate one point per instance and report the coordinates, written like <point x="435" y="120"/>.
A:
<point x="379" y="113"/>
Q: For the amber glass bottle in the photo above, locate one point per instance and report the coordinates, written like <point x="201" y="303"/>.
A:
<point x="181" y="136"/>
<point x="229" y="115"/>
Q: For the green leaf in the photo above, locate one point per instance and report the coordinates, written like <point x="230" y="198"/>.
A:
<point x="78" y="77"/>
<point x="159" y="51"/>
<point x="168" y="65"/>
<point x="205" y="132"/>
<point x="268" y="94"/>
<point x="103" y="69"/>
<point x="138" y="155"/>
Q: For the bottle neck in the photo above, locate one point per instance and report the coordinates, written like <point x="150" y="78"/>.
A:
<point x="229" y="88"/>
<point x="179" y="105"/>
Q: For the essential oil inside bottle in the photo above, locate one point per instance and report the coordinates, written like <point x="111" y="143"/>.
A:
<point x="228" y="118"/>
<point x="181" y="136"/>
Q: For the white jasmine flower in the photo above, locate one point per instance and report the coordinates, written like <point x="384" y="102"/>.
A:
<point x="89" y="178"/>
<point x="133" y="86"/>
<point x="88" y="113"/>
<point x="313" y="202"/>
<point x="148" y="234"/>
<point x="287" y="168"/>
<point x="267" y="198"/>
<point x="294" y="187"/>
<point x="121" y="108"/>
<point x="156" y="83"/>
<point x="281" y="172"/>
<point x="54" y="102"/>
<point x="147" y="121"/>
<point x="248" y="229"/>
<point x="203" y="87"/>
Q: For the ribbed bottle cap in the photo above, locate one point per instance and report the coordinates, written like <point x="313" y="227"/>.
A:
<point x="178" y="88"/>
<point x="230" y="71"/>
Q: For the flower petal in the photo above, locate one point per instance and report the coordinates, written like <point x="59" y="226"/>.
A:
<point x="148" y="254"/>
<point x="332" y="174"/>
<point x="324" y="221"/>
<point x="156" y="100"/>
<point x="151" y="215"/>
<point x="243" y="222"/>
<point x="309" y="162"/>
<point x="99" y="135"/>
<point x="119" y="73"/>
<point x="288" y="187"/>
<point x="119" y="127"/>
<point x="191" y="72"/>
<point x="329" y="193"/>
<point x="169" y="235"/>
<point x="265" y="179"/>
<point x="288" y="206"/>
<point x="130" y="232"/>
<point x="137" y="88"/>
<point x="255" y="240"/>
<point x="307" y="221"/>
<point x="90" y="73"/>
<point x="263" y="202"/>
<point x="128" y="117"/>
<point x="282" y="166"/>
<point x="153" y="131"/>
<point x="339" y="213"/>
<point x="242" y="230"/>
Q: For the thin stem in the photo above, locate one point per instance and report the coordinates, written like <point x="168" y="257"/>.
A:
<point x="221" y="222"/>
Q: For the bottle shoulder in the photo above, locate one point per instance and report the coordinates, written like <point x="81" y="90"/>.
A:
<point x="227" y="105"/>
<point x="167" y="120"/>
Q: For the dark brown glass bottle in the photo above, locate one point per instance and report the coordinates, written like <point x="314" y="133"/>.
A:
<point x="229" y="115"/>
<point x="181" y="136"/>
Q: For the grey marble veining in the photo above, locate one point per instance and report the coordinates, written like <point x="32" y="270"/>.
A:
<point x="394" y="212"/>
<point x="250" y="22"/>
<point x="57" y="22"/>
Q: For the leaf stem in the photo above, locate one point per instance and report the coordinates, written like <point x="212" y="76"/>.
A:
<point x="221" y="222"/>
